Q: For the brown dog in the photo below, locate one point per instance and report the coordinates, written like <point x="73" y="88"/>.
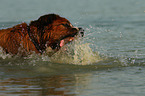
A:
<point x="48" y="31"/>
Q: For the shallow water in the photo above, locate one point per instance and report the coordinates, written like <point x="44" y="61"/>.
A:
<point x="108" y="61"/>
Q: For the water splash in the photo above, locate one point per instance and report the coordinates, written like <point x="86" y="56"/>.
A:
<point x="76" y="53"/>
<point x="3" y="54"/>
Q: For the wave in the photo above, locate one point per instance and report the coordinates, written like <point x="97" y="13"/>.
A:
<point x="76" y="53"/>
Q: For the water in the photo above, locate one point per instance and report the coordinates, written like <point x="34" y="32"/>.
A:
<point x="108" y="61"/>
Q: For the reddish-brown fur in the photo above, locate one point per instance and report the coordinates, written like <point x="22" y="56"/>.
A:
<point x="45" y="32"/>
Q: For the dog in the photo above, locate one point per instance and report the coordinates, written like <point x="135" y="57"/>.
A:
<point x="49" y="31"/>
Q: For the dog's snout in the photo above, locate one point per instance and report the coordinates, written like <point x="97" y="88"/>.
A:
<point x="81" y="31"/>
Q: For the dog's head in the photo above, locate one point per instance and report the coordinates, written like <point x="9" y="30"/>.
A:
<point x="52" y="31"/>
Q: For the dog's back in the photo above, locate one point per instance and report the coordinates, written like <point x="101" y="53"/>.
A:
<point x="12" y="39"/>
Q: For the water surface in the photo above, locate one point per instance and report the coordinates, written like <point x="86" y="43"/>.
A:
<point x="108" y="61"/>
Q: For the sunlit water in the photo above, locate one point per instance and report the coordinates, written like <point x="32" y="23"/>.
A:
<point x="108" y="61"/>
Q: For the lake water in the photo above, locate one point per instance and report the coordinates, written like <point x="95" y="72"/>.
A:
<point x="108" y="61"/>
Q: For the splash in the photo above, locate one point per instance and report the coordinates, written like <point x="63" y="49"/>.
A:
<point x="76" y="53"/>
<point x="3" y="54"/>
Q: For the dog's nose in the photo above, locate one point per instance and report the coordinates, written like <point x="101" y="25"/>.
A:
<point x="81" y="31"/>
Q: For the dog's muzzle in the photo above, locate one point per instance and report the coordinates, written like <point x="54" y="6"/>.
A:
<point x="81" y="31"/>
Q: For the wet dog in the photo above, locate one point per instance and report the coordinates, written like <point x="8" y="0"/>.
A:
<point x="49" y="31"/>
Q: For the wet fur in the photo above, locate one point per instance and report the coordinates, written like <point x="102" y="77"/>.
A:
<point x="45" y="32"/>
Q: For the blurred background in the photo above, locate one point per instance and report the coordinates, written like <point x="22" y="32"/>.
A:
<point x="26" y="10"/>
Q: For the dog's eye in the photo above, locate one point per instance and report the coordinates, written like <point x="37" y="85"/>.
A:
<point x="66" y="25"/>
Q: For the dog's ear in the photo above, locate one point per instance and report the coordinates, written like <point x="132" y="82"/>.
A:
<point x="48" y="19"/>
<point x="44" y="21"/>
<point x="37" y="28"/>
